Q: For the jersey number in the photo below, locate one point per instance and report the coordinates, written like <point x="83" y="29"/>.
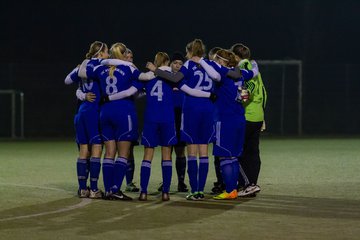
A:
<point x="157" y="90"/>
<point x="111" y="85"/>
<point x="87" y="86"/>
<point x="203" y="78"/>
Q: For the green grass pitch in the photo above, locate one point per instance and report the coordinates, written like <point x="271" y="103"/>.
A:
<point x="310" y="190"/>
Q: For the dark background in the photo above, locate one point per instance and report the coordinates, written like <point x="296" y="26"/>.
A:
<point x="42" y="43"/>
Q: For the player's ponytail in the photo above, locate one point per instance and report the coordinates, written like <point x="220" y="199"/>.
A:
<point x="161" y="59"/>
<point x="95" y="48"/>
<point x="196" y="48"/>
<point x="117" y="51"/>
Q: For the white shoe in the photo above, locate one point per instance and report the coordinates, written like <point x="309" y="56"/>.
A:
<point x="83" y="193"/>
<point x="96" y="194"/>
<point x="251" y="189"/>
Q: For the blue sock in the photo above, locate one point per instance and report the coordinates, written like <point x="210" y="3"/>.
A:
<point x="130" y="170"/>
<point x="95" y="166"/>
<point x="108" y="172"/>
<point x="203" y="172"/>
<point x="81" y="172"/>
<point x="145" y="175"/>
<point x="119" y="172"/>
<point x="193" y="172"/>
<point x="236" y="171"/>
<point x="166" y="166"/>
<point x="227" y="174"/>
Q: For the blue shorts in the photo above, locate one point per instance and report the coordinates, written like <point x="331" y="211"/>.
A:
<point x="87" y="127"/>
<point x="230" y="135"/>
<point x="197" y="127"/>
<point x="155" y="134"/>
<point x="119" y="126"/>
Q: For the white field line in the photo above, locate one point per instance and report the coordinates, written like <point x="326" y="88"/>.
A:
<point x="83" y="203"/>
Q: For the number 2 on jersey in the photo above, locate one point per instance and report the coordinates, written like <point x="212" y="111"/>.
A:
<point x="203" y="78"/>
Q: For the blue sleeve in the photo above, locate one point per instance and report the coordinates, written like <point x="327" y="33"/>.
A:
<point x="220" y="69"/>
<point x="247" y="75"/>
<point x="74" y="76"/>
<point x="135" y="74"/>
<point x="184" y="71"/>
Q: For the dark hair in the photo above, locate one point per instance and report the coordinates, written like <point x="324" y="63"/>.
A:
<point x="177" y="56"/>
<point x="241" y="51"/>
<point x="214" y="50"/>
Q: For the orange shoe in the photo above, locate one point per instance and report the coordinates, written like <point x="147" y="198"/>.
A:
<point x="226" y="196"/>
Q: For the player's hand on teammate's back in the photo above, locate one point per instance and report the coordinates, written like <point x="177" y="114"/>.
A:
<point x="90" y="97"/>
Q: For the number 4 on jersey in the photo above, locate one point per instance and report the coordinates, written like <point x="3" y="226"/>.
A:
<point x="157" y="90"/>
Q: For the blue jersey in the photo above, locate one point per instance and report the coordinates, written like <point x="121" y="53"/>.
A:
<point x="227" y="92"/>
<point x="118" y="118"/>
<point x="91" y="84"/>
<point x="178" y="96"/>
<point x="123" y="78"/>
<point x="196" y="77"/>
<point x="197" y="125"/>
<point x="159" y="101"/>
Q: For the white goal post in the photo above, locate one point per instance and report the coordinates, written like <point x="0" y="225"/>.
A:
<point x="13" y="94"/>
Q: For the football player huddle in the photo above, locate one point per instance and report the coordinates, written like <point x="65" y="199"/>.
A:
<point x="191" y="102"/>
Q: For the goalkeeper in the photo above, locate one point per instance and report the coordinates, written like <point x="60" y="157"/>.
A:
<point x="254" y="115"/>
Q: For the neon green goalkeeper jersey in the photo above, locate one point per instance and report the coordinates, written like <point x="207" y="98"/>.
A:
<point x="254" y="107"/>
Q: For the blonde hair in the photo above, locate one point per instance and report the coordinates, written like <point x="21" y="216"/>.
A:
<point x="95" y="48"/>
<point x="196" y="48"/>
<point x="161" y="58"/>
<point x="118" y="51"/>
<point x="227" y="56"/>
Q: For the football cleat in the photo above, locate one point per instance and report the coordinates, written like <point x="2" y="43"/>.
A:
<point x="226" y="195"/>
<point x="83" y="193"/>
<point x="192" y="196"/>
<point x="120" y="196"/>
<point x="165" y="196"/>
<point x="200" y="196"/>
<point x="96" y="194"/>
<point x="249" y="191"/>
<point x="108" y="196"/>
<point x="143" y="196"/>
<point x="131" y="187"/>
